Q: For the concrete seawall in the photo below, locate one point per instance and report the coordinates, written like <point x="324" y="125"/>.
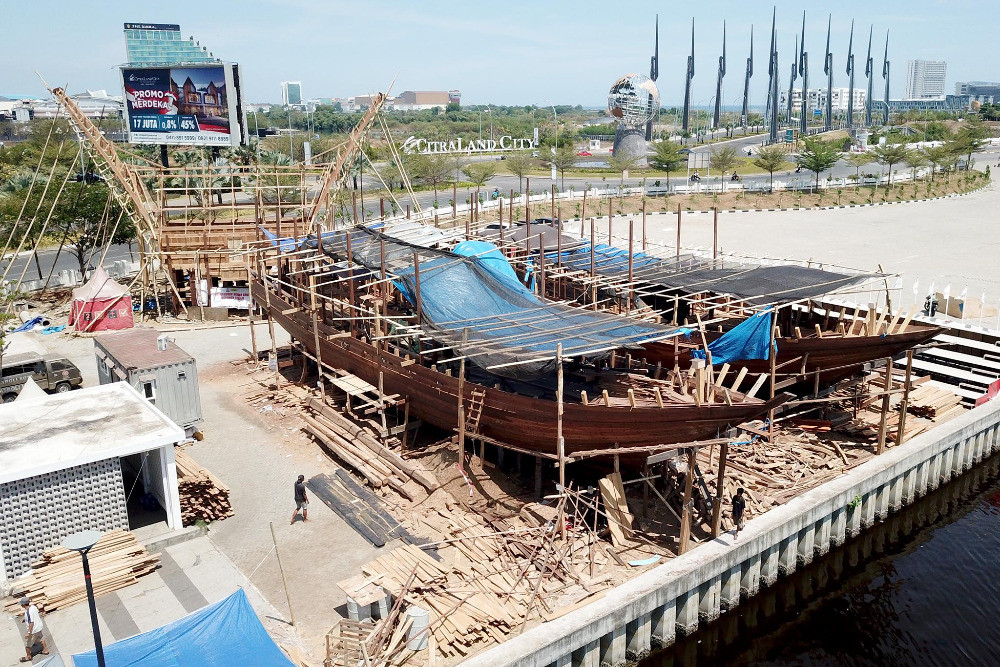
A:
<point x="652" y="609"/>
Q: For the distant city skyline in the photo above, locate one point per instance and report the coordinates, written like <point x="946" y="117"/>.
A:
<point x="533" y="54"/>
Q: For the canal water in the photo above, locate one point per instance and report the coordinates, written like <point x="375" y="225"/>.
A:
<point x="923" y="588"/>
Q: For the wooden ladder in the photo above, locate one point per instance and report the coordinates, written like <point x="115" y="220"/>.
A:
<point x="474" y="412"/>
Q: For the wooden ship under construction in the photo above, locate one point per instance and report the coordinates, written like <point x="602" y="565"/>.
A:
<point x="596" y="359"/>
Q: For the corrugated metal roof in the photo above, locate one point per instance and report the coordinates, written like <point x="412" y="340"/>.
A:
<point x="136" y="348"/>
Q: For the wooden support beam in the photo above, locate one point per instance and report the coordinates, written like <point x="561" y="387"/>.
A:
<point x="901" y="432"/>
<point x="685" y="537"/>
<point x="719" y="489"/>
<point x="885" y="406"/>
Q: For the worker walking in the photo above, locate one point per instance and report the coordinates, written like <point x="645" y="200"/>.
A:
<point x="739" y="511"/>
<point x="301" y="501"/>
<point x="33" y="626"/>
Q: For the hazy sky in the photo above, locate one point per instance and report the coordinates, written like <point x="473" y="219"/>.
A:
<point x="511" y="52"/>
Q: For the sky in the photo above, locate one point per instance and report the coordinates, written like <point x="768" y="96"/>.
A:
<point x="511" y="52"/>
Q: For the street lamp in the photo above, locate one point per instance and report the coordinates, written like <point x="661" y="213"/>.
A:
<point x="256" y="132"/>
<point x="490" y="112"/>
<point x="555" y="120"/>
<point x="82" y="543"/>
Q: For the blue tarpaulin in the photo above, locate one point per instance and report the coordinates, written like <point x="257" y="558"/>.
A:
<point x="224" y="634"/>
<point x="747" y="340"/>
<point x="30" y="324"/>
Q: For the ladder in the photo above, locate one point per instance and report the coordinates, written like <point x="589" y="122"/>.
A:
<point x="474" y="412"/>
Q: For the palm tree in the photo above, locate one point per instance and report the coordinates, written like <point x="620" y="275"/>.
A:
<point x="622" y="164"/>
<point x="936" y="156"/>
<point x="667" y="157"/>
<point x="723" y="160"/>
<point x="520" y="164"/>
<point x="858" y="160"/>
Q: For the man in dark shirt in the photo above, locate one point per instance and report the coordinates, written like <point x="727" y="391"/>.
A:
<point x="301" y="501"/>
<point x="739" y="509"/>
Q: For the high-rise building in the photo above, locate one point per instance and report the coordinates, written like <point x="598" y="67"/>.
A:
<point x="925" y="79"/>
<point x="985" y="92"/>
<point x="162" y="44"/>
<point x="291" y="93"/>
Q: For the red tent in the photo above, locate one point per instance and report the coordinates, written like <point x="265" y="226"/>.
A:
<point x="101" y="304"/>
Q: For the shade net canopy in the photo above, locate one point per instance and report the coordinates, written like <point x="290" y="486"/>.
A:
<point x="755" y="284"/>
<point x="220" y="635"/>
<point x="475" y="305"/>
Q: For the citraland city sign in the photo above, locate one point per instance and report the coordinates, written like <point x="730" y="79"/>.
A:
<point x="459" y="145"/>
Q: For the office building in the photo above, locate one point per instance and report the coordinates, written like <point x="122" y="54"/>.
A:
<point x="925" y="79"/>
<point x="984" y="92"/>
<point x="817" y="99"/>
<point x="153" y="44"/>
<point x="291" y="93"/>
<point x="421" y="100"/>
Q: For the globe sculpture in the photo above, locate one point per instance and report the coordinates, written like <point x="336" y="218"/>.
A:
<point x="633" y="100"/>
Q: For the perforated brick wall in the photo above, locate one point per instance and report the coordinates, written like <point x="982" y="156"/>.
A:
<point x="36" y="513"/>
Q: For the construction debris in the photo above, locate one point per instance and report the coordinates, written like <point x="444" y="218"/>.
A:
<point x="56" y="579"/>
<point x="203" y="497"/>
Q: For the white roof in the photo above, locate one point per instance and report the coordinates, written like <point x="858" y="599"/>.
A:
<point x="100" y="286"/>
<point x="58" y="431"/>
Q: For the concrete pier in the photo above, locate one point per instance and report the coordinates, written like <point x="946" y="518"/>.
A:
<point x="696" y="588"/>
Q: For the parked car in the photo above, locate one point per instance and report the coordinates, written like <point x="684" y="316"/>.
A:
<point x="584" y="154"/>
<point x="52" y="373"/>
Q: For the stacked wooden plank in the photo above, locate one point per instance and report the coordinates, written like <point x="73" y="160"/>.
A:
<point x="203" y="497"/>
<point x="360" y="449"/>
<point x="490" y="581"/>
<point x="116" y="561"/>
<point x="934" y="403"/>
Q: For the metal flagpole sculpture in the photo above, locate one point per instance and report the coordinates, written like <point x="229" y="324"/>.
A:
<point x="885" y="75"/>
<point x="870" y="73"/>
<point x="772" y="88"/>
<point x="828" y="70"/>
<point x="804" y="73"/>
<point x="717" y="115"/>
<point x="791" y="80"/>
<point x="746" y="84"/>
<point x="687" y="83"/>
<point x="850" y="79"/>
<point x="654" y="70"/>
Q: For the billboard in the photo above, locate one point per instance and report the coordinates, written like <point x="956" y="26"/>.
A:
<point x="193" y="105"/>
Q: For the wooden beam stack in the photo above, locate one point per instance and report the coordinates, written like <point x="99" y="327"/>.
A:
<point x="203" y="497"/>
<point x="116" y="561"/>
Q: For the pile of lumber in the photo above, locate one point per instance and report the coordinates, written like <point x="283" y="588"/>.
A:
<point x="56" y="580"/>
<point x="934" y="403"/>
<point x="203" y="497"/>
<point x="360" y="449"/>
<point x="491" y="579"/>
<point x="773" y="473"/>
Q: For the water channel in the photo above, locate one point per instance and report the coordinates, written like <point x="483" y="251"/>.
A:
<point x="923" y="588"/>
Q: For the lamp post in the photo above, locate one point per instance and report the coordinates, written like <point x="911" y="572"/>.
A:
<point x="490" y="112"/>
<point x="82" y="543"/>
<point x="256" y="133"/>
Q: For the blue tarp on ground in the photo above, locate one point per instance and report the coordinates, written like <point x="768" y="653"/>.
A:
<point x="747" y="340"/>
<point x="225" y="634"/>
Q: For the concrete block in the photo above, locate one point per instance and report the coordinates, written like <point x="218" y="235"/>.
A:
<point x="564" y="661"/>
<point x="710" y="600"/>
<point x="588" y="655"/>
<point x="806" y="545"/>
<point x="750" y="575"/>
<point x="788" y="555"/>
<point x="638" y="637"/>
<point x="769" y="566"/>
<point x="838" y="529"/>
<point x="882" y="502"/>
<point x="687" y="613"/>
<point x="730" y="593"/>
<point x="824" y="528"/>
<point x="664" y="624"/>
<point x="613" y="647"/>
<point x="896" y="493"/>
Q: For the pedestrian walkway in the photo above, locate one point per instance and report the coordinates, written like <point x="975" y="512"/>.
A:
<point x="192" y="574"/>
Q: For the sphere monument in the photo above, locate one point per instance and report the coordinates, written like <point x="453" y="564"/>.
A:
<point x="633" y="100"/>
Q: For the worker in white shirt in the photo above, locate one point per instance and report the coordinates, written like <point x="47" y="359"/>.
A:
<point x="33" y="625"/>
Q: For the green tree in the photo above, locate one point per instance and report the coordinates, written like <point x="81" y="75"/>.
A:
<point x="937" y="156"/>
<point x="480" y="172"/>
<point x="564" y="158"/>
<point x="890" y="154"/>
<point x="771" y="159"/>
<point x="84" y="218"/>
<point x="621" y="164"/>
<point x="723" y="160"/>
<point x="858" y="160"/>
<point x="433" y="170"/>
<point x="817" y="156"/>
<point x="969" y="139"/>
<point x="520" y="164"/>
<point x="667" y="157"/>
<point x="915" y="160"/>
